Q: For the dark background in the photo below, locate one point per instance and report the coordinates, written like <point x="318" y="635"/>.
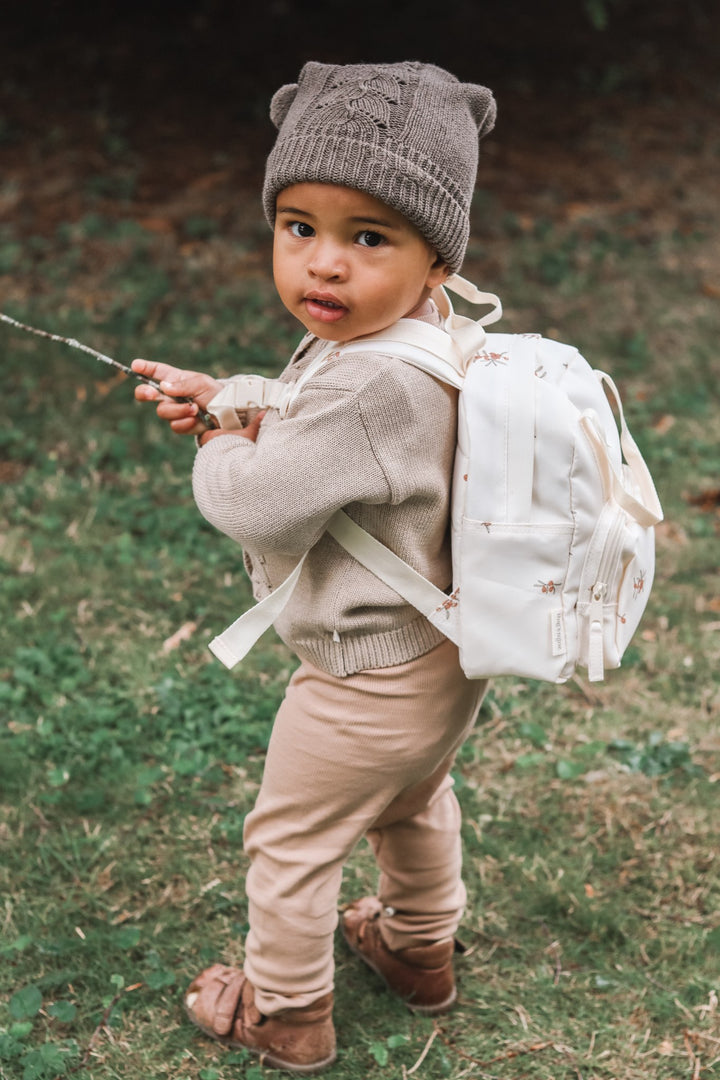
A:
<point x="181" y="84"/>
<point x="214" y="60"/>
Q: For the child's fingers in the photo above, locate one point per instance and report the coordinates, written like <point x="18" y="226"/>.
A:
<point x="252" y="429"/>
<point x="143" y="392"/>
<point x="151" y="369"/>
<point x="187" y="426"/>
<point x="191" y="384"/>
<point x="176" y="410"/>
<point x="148" y="368"/>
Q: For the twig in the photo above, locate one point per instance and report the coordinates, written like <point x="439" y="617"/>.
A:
<point x="101" y="1024"/>
<point x="555" y="952"/>
<point x="700" y="1035"/>
<point x="84" y="348"/>
<point x="510" y="1054"/>
<point x="507" y="1056"/>
<point x="694" y="1058"/>
<point x="424" y="1054"/>
<point x="206" y="418"/>
<point x="691" y="1037"/>
<point x="590" y="696"/>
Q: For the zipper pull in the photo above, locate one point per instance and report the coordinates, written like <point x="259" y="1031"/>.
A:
<point x="596" y="664"/>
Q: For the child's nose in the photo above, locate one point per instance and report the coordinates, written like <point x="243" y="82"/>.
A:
<point x="327" y="261"/>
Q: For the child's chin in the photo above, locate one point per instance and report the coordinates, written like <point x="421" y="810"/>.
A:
<point x="331" y="331"/>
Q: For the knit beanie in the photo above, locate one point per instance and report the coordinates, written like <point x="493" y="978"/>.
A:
<point x="404" y="133"/>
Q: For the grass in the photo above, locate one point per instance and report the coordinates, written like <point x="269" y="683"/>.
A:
<point x="129" y="757"/>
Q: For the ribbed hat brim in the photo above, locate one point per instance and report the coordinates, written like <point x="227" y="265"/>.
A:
<point x="410" y="183"/>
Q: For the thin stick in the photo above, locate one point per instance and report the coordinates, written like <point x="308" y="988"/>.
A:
<point x="507" y="1056"/>
<point x="205" y="417"/>
<point x="700" y="1035"/>
<point x="84" y="348"/>
<point x="424" y="1054"/>
<point x="103" y="1021"/>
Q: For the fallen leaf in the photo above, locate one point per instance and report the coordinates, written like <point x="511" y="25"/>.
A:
<point x="122" y="917"/>
<point x="663" y="425"/>
<point x="185" y="632"/>
<point x="104" y="880"/>
<point x="11" y="470"/>
<point x="706" y="500"/>
<point x="157" y="225"/>
<point x="577" y="210"/>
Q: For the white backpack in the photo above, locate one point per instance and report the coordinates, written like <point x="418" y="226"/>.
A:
<point x="552" y="532"/>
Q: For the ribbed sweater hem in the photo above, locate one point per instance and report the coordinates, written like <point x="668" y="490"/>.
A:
<point x="353" y="653"/>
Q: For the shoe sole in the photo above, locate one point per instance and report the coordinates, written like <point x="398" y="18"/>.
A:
<point x="421" y="1010"/>
<point x="266" y="1057"/>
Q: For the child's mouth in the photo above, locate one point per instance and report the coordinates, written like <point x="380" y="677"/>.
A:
<point x="324" y="309"/>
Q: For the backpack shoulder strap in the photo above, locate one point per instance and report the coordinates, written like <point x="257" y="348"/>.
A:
<point x="257" y="391"/>
<point x="430" y="601"/>
<point x="237" y="639"/>
<point x="420" y="344"/>
<point x="445" y="352"/>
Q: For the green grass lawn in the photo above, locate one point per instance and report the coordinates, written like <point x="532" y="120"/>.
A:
<point x="129" y="757"/>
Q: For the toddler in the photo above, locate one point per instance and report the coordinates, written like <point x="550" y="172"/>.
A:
<point x="368" y="189"/>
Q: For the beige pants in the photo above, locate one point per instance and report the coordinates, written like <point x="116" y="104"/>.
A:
<point x="368" y="754"/>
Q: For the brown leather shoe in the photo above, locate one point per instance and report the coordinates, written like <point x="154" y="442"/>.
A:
<point x="421" y="975"/>
<point x="221" y="1002"/>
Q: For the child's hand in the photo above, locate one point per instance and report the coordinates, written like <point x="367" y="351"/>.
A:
<point x="177" y="383"/>
<point x="250" y="431"/>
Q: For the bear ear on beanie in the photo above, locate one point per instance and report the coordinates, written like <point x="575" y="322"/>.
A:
<point x="482" y="106"/>
<point x="281" y="102"/>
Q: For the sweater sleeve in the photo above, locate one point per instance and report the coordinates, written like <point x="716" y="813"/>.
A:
<point x="277" y="494"/>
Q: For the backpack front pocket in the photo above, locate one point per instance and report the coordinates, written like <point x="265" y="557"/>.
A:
<point x="512" y="603"/>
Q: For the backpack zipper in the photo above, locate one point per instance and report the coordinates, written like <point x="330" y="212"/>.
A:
<point x="598" y="592"/>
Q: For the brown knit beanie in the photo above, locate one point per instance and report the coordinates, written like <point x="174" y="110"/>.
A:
<point x="405" y="133"/>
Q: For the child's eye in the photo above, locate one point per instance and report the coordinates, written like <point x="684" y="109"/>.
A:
<point x="368" y="238"/>
<point x="301" y="228"/>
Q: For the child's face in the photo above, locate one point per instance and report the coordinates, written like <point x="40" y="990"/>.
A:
<point x="345" y="264"/>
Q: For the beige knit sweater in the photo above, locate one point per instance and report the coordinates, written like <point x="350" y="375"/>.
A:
<point x="369" y="434"/>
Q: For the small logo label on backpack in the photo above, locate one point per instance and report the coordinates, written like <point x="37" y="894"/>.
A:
<point x="557" y="632"/>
